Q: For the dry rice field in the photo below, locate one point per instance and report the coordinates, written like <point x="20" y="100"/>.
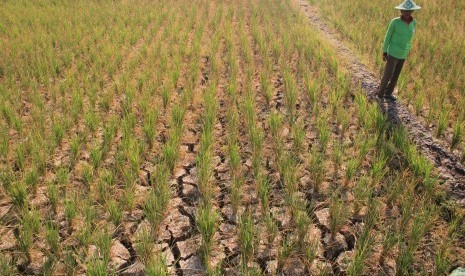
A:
<point x="203" y="138"/>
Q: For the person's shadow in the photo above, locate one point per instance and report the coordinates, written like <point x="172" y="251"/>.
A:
<point x="390" y="109"/>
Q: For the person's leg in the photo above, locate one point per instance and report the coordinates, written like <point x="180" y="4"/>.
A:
<point x="395" y="76"/>
<point x="388" y="73"/>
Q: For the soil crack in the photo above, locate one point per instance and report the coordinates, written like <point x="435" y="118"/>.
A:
<point x="126" y="242"/>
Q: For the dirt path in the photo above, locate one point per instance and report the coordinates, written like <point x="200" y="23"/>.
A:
<point x="451" y="172"/>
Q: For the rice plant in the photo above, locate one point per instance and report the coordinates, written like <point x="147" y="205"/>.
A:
<point x="317" y="163"/>
<point x="97" y="267"/>
<point x="256" y="140"/>
<point x="290" y="94"/>
<point x="150" y="126"/>
<point x="144" y="246"/>
<point x="5" y="265"/>
<point x="157" y="267"/>
<point x="53" y="195"/>
<point x="207" y="224"/>
<point x="53" y="237"/>
<point x="366" y="241"/>
<point x="116" y="212"/>
<point x="284" y="252"/>
<point x="247" y="235"/>
<point x="338" y="214"/>
<point x="457" y="135"/>
<point x="156" y="204"/>
<point x="70" y="211"/>
<point x="266" y="89"/>
<point x="263" y="187"/>
<point x="298" y="135"/>
<point x="103" y="242"/>
<point x="18" y="193"/>
<point x="362" y="191"/>
<point x="442" y="124"/>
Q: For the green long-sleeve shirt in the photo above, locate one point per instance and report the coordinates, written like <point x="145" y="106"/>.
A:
<point x="398" y="38"/>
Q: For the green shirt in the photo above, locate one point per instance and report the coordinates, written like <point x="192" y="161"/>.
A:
<point x="398" y="37"/>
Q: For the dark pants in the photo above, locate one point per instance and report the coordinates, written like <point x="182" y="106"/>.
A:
<point x="390" y="76"/>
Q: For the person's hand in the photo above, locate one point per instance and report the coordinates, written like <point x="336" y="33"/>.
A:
<point x="384" y="57"/>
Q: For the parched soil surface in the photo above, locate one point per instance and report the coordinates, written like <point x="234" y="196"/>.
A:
<point x="311" y="182"/>
<point x="451" y="171"/>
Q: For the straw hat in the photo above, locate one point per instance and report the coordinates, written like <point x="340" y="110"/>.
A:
<point x="408" y="5"/>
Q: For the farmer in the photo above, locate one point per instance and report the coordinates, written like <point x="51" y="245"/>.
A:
<point x="396" y="47"/>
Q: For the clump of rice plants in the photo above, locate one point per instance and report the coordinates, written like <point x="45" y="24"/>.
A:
<point x="207" y="224"/>
<point x="338" y="214"/>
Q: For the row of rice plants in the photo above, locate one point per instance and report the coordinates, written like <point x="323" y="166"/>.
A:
<point x="158" y="199"/>
<point x="233" y="149"/>
<point x="156" y="202"/>
<point x="236" y="106"/>
<point x="248" y="231"/>
<point x="256" y="137"/>
<point x="207" y="216"/>
<point x="249" y="218"/>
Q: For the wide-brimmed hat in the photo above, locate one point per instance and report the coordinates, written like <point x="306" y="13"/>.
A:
<point x="408" y="5"/>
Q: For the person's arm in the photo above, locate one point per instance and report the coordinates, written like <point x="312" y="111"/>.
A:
<point x="387" y="39"/>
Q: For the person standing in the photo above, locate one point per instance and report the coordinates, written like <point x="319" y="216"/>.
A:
<point x="396" y="47"/>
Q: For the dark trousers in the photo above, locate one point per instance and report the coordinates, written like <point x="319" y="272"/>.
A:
<point x="390" y="76"/>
